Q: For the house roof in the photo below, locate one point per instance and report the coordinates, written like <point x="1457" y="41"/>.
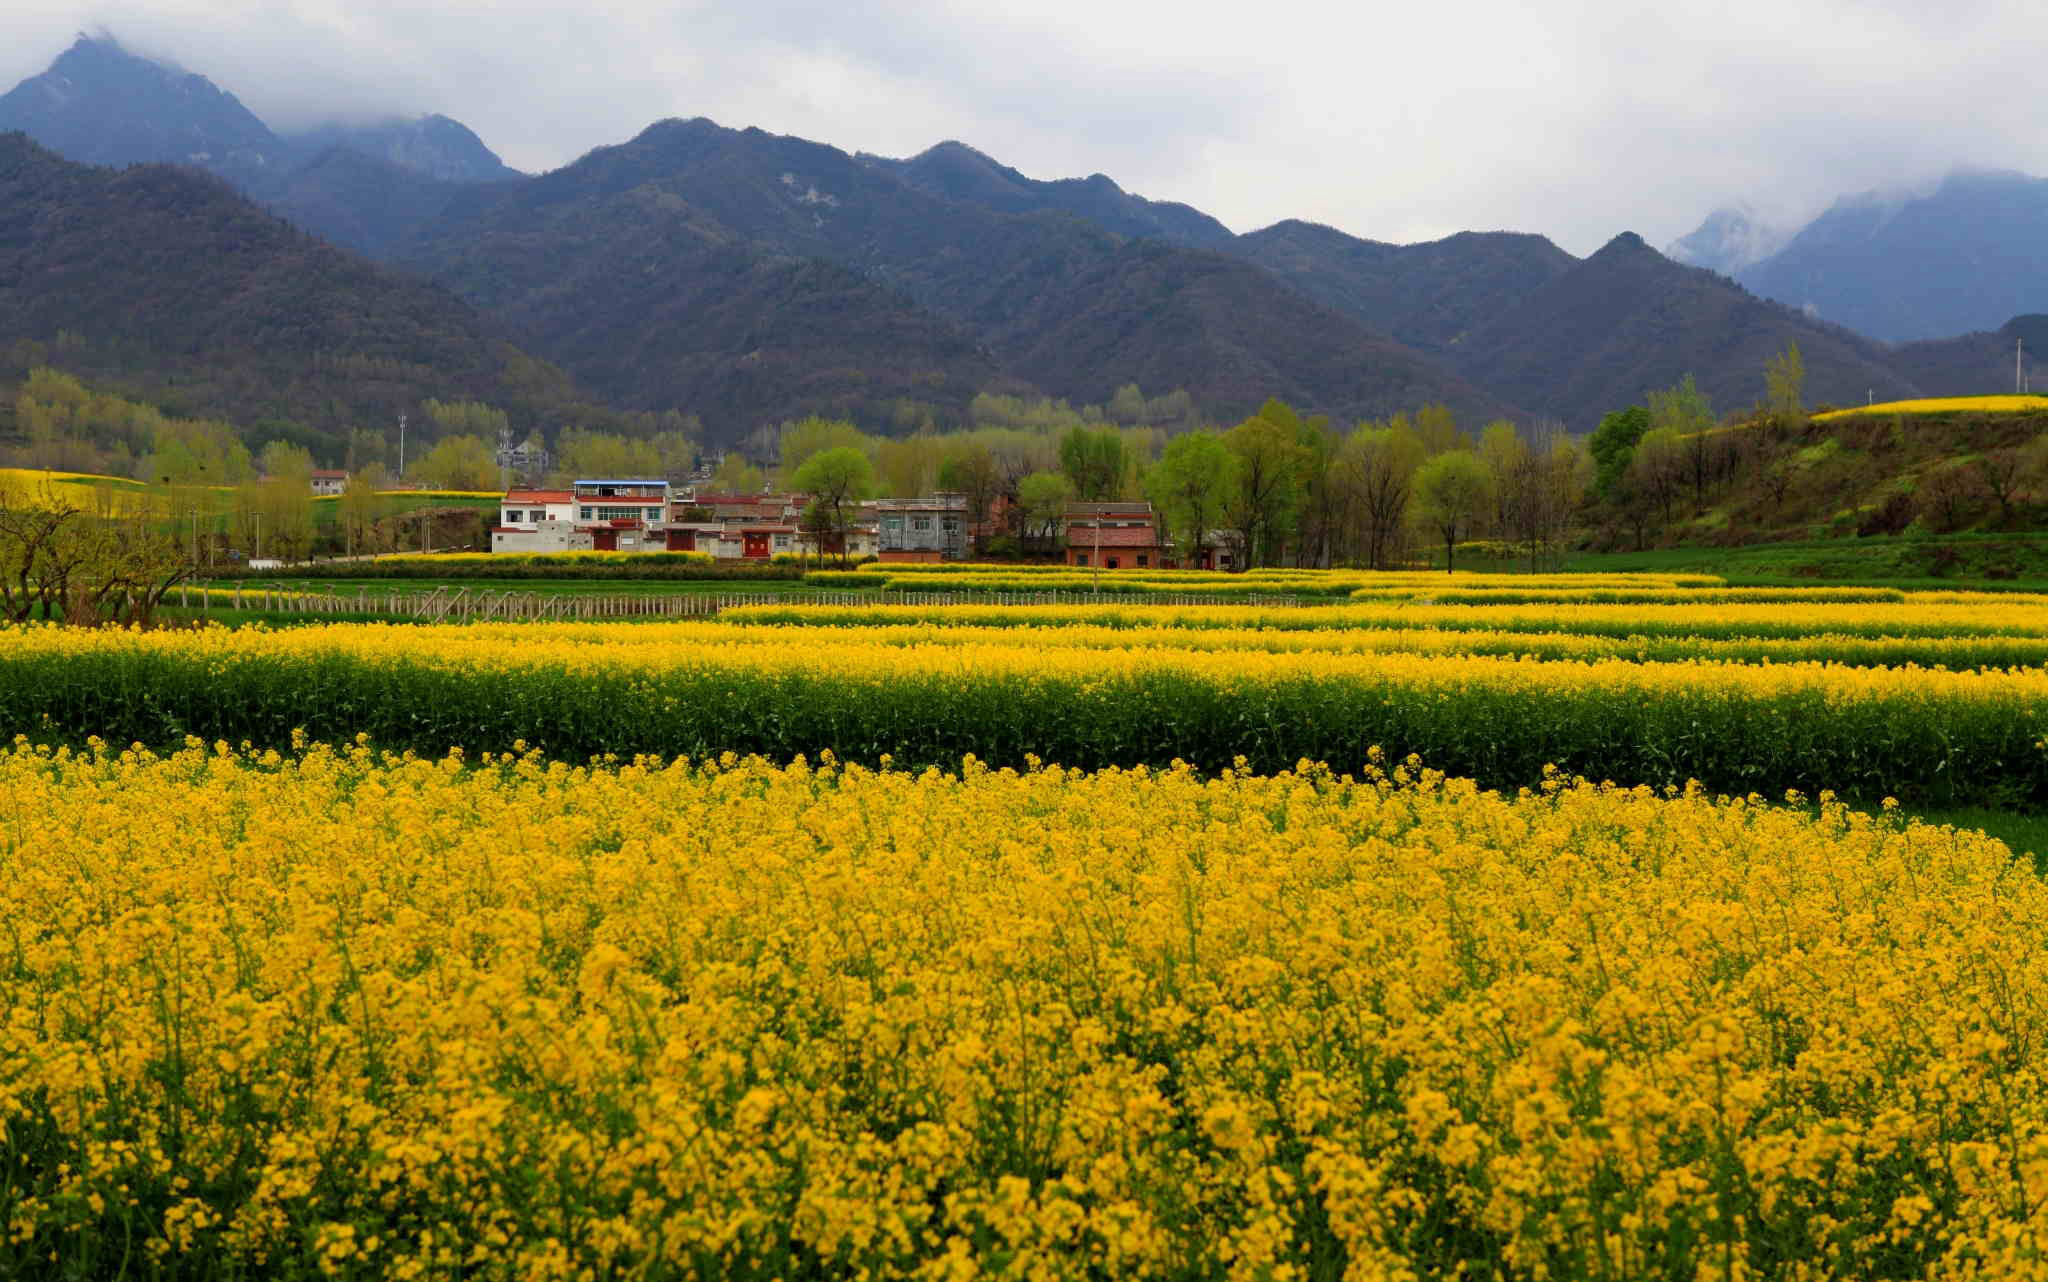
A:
<point x="1114" y="536"/>
<point x="1106" y="509"/>
<point x="329" y="474"/>
<point x="539" y="496"/>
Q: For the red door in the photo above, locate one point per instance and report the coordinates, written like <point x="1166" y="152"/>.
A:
<point x="756" y="545"/>
<point x="604" y="540"/>
<point x="682" y="540"/>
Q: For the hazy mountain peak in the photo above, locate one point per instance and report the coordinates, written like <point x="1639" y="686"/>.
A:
<point x="434" y="146"/>
<point x="1732" y="238"/>
<point x="1626" y="245"/>
<point x="1952" y="255"/>
<point x="956" y="171"/>
<point x="101" y="104"/>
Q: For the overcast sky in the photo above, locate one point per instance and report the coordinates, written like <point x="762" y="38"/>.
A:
<point x="1574" y="118"/>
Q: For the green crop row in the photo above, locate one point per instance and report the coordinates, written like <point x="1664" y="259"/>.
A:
<point x="1969" y="653"/>
<point x="1677" y="622"/>
<point x="1931" y="737"/>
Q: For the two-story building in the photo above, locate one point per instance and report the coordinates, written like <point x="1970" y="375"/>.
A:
<point x="933" y="528"/>
<point x="1114" y="536"/>
<point x="623" y="515"/>
<point x="329" y="480"/>
<point x="538" y="521"/>
<point x="596" y="515"/>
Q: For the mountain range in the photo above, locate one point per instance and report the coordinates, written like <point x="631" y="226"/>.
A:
<point x="750" y="277"/>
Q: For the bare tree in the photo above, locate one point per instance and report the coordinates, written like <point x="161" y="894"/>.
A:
<point x="2002" y="473"/>
<point x="1376" y="466"/>
<point x="59" y="563"/>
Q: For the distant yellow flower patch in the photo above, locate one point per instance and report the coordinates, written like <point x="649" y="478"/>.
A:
<point x="1945" y="405"/>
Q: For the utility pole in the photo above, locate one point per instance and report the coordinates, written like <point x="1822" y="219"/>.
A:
<point x="1096" y="561"/>
<point x="401" y="447"/>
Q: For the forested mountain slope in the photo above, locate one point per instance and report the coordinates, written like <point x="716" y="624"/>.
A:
<point x="164" y="281"/>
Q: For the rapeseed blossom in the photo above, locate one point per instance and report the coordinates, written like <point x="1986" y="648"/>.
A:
<point x="338" y="1013"/>
<point x="1928" y="734"/>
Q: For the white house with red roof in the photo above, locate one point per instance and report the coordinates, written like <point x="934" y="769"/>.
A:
<point x="596" y="515"/>
<point x="538" y="521"/>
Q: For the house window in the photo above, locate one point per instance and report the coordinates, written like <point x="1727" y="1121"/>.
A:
<point x="893" y="524"/>
<point x="513" y="514"/>
<point x="1144" y="560"/>
<point x="1080" y="558"/>
<point x="952" y="524"/>
<point x="585" y="516"/>
<point x="1109" y="563"/>
<point x="922" y="524"/>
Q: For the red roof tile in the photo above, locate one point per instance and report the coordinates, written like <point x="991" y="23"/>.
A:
<point x="1083" y="537"/>
<point x="539" y="496"/>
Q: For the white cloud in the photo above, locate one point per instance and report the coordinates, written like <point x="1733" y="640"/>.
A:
<point x="1576" y="118"/>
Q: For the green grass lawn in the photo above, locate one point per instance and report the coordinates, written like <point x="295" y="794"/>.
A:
<point x="2027" y="834"/>
<point x="1999" y="562"/>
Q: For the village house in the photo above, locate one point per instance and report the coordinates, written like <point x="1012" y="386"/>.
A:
<point x="538" y="521"/>
<point x="934" y="528"/>
<point x="329" y="480"/>
<point x="624" y="515"/>
<point x="595" y="515"/>
<point x="737" y="527"/>
<point x="1114" y="536"/>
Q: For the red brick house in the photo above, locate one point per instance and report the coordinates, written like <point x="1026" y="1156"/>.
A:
<point x="1115" y="536"/>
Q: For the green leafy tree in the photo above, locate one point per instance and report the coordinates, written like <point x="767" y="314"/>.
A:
<point x="734" y="475"/>
<point x="972" y="471"/>
<point x="585" y="454"/>
<point x="1043" y="498"/>
<point x="1656" y="473"/>
<point x="1785" y="387"/>
<point x="1612" y="445"/>
<point x="675" y="452"/>
<point x="1506" y="457"/>
<point x="199" y="452"/>
<point x="1377" y="466"/>
<point x="1450" y="497"/>
<point x="1189" y="486"/>
<point x="1325" y="503"/>
<point x="837" y="479"/>
<point x="1438" y="429"/>
<point x="359" y="508"/>
<point x="909" y="468"/>
<point x="283" y="460"/>
<point x="1094" y="461"/>
<point x="459" y="463"/>
<point x="1261" y="506"/>
<point x="814" y="435"/>
<point x="1683" y="410"/>
<point x="467" y="418"/>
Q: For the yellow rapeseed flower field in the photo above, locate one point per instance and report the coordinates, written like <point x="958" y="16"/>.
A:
<point x="1081" y="698"/>
<point x="345" y="1015"/>
<point x="1945" y="405"/>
